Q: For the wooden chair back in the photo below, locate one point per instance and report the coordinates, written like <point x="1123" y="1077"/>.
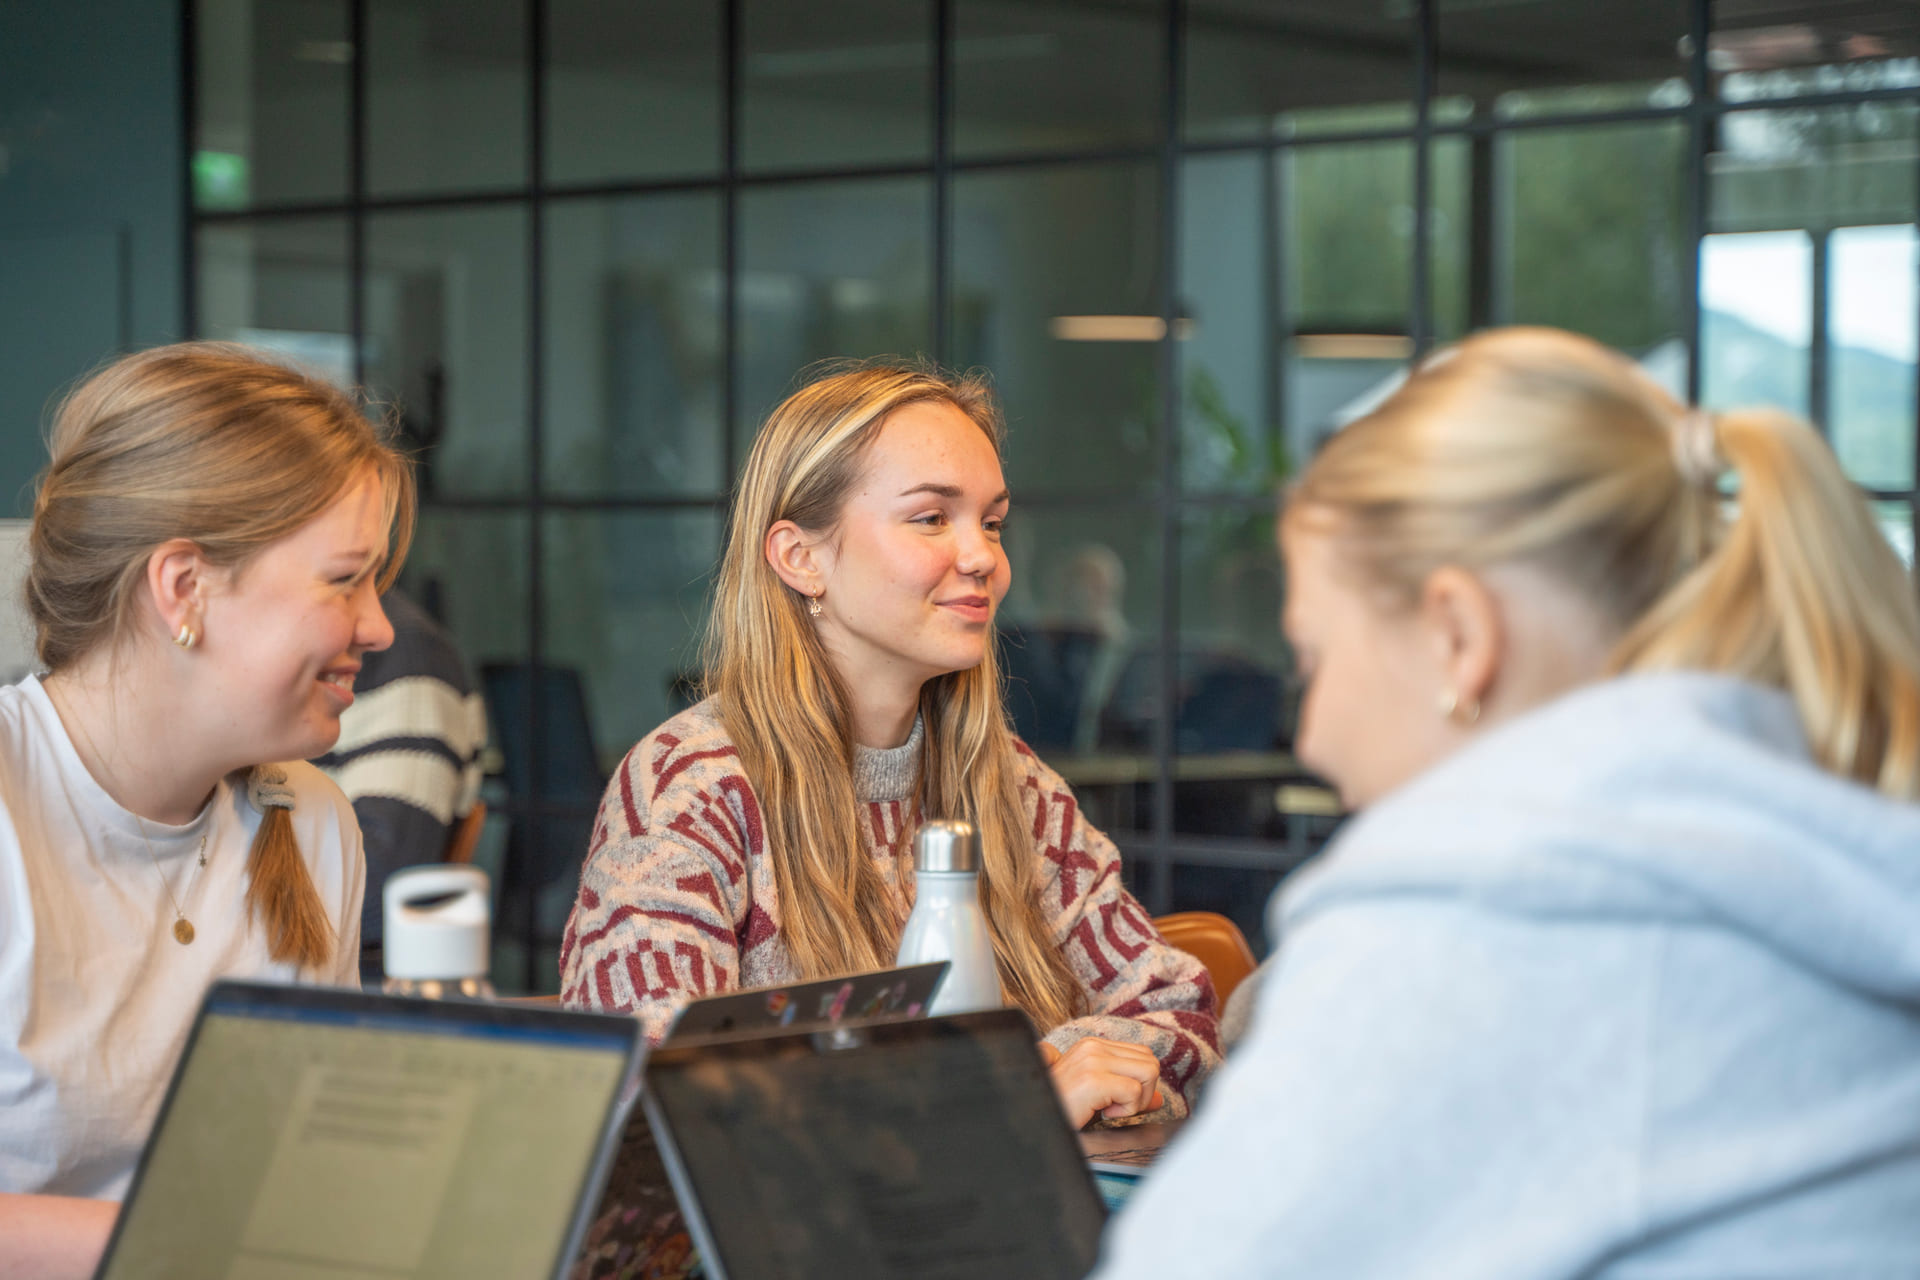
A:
<point x="465" y="836"/>
<point x="1215" y="942"/>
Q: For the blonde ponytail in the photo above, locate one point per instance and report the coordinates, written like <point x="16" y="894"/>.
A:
<point x="281" y="896"/>
<point x="1803" y="593"/>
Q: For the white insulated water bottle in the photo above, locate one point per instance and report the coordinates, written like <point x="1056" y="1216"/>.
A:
<point x="947" y="922"/>
<point x="436" y="920"/>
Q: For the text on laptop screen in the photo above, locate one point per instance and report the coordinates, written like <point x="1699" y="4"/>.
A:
<point x="312" y="1144"/>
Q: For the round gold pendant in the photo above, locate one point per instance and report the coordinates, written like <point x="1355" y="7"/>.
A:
<point x="183" y="931"/>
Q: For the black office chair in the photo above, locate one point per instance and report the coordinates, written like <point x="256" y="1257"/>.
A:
<point x="553" y="787"/>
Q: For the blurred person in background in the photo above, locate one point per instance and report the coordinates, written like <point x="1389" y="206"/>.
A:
<point x="408" y="755"/>
<point x="1615" y="973"/>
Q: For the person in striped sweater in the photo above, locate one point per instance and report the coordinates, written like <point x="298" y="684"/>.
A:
<point x="408" y="755"/>
<point x="764" y="835"/>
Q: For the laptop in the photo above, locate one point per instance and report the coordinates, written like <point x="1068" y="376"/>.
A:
<point x="637" y="1229"/>
<point x="929" y="1149"/>
<point x="884" y="993"/>
<point x="314" y="1133"/>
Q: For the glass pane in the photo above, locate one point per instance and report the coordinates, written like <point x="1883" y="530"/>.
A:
<point x="1779" y="49"/>
<point x="1230" y="439"/>
<point x="446" y="95"/>
<point x="632" y="347"/>
<point x="1595" y="231"/>
<point x="1598" y="55"/>
<point x="1826" y="167"/>
<point x="1078" y="652"/>
<point x="835" y="84"/>
<point x="446" y="344"/>
<point x="1055" y="290"/>
<point x="633" y="92"/>
<point x="829" y="269"/>
<point x="1234" y="711"/>
<point x="281" y="285"/>
<point x="624" y="599"/>
<point x="1871" y="310"/>
<point x="1785" y="187"/>
<point x="469" y="570"/>
<point x="1261" y="68"/>
<point x="1897" y="522"/>
<point x="271" y="95"/>
<point x="1756" y="319"/>
<point x="1031" y="77"/>
<point x="1347" y="276"/>
<point x="1459" y="289"/>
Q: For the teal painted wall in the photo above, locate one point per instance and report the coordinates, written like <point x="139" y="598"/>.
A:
<point x="91" y="186"/>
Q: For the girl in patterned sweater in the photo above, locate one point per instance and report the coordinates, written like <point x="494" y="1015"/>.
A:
<point x="765" y="834"/>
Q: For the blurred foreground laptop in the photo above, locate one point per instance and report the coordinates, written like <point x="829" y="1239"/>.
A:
<point x="315" y="1134"/>
<point x="930" y="1149"/>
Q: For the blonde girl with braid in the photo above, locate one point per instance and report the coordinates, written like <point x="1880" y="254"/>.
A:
<point x="1617" y="971"/>
<point x="766" y="834"/>
<point x="208" y="544"/>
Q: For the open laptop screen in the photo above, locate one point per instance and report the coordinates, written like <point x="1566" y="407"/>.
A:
<point x="317" y="1134"/>
<point x="913" y="1149"/>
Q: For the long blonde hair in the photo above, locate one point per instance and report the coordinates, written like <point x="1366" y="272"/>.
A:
<point x="1541" y="447"/>
<point x="789" y="712"/>
<point x="214" y="444"/>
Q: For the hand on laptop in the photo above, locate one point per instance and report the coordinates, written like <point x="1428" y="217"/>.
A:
<point x="1104" y="1078"/>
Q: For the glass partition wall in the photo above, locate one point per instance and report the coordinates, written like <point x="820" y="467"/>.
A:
<point x="579" y="247"/>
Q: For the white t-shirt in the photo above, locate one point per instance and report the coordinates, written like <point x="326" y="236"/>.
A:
<point x="96" y="996"/>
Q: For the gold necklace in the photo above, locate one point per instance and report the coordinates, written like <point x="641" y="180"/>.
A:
<point x="182" y="927"/>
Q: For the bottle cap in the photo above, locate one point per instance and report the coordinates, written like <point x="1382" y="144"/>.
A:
<point x="946" y="845"/>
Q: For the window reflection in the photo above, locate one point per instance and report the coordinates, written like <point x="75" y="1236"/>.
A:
<point x="828" y="269"/>
<point x="1296" y="68"/>
<point x="839" y="84"/>
<point x="1531" y="59"/>
<point x="1871" y="312"/>
<point x="446" y="344"/>
<point x="1056" y="77"/>
<point x="1079" y="651"/>
<point x="1775" y="50"/>
<point x="1756" y="319"/>
<point x="271" y="102"/>
<point x="1595" y="231"/>
<point x="1034" y="247"/>
<point x="633" y="347"/>
<point x="446" y="95"/>
<point x="633" y="91"/>
<point x="281" y="285"/>
<point x="625" y="605"/>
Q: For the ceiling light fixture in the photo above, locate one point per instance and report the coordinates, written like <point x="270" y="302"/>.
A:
<point x="1117" y="328"/>
<point x="1353" y="346"/>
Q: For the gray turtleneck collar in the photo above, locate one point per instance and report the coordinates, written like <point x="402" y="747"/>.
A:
<point x="880" y="775"/>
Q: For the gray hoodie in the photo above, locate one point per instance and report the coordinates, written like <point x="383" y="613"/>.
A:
<point x="1627" y="988"/>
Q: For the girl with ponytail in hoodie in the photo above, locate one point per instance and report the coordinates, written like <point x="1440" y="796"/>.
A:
<point x="1617" y="971"/>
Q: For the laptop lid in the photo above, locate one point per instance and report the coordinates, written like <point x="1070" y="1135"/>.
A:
<point x="884" y="993"/>
<point x="927" y="1149"/>
<point x="315" y="1133"/>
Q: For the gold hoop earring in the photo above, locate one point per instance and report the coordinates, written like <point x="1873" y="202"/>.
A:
<point x="187" y="636"/>
<point x="1450" y="707"/>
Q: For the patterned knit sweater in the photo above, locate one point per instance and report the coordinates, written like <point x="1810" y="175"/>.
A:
<point x="677" y="898"/>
